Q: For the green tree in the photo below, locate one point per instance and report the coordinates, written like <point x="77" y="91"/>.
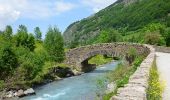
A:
<point x="8" y="32"/>
<point x="103" y="37"/>
<point x="24" y="39"/>
<point x="8" y="60"/>
<point x="154" y="38"/>
<point x="114" y="36"/>
<point x="167" y="37"/>
<point x="109" y="36"/>
<point x="22" y="36"/>
<point x="54" y="44"/>
<point x="38" y="34"/>
<point x="31" y="42"/>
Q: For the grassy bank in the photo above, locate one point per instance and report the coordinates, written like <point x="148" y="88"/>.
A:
<point x="121" y="75"/>
<point x="155" y="88"/>
<point x="100" y="60"/>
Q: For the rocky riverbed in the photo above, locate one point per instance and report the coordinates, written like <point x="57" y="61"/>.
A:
<point x="60" y="73"/>
<point x="16" y="93"/>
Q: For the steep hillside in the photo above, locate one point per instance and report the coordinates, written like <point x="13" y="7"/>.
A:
<point x="124" y="16"/>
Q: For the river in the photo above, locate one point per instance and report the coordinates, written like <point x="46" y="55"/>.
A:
<point x="83" y="87"/>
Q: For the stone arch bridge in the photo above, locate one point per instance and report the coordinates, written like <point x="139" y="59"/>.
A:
<point x="78" y="57"/>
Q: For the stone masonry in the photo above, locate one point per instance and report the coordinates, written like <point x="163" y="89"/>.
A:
<point x="138" y="82"/>
<point x="76" y="57"/>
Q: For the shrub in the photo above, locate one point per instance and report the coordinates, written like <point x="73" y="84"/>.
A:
<point x="154" y="38"/>
<point x="167" y="37"/>
<point x="121" y="75"/>
<point x="27" y="68"/>
<point x="155" y="89"/>
<point x="8" y="61"/>
<point x="1" y="84"/>
<point x="131" y="55"/>
<point x="107" y="36"/>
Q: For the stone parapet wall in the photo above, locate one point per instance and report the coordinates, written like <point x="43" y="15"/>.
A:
<point x="162" y="49"/>
<point x="75" y="57"/>
<point x="138" y="82"/>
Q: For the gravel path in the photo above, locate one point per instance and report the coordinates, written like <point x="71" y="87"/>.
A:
<point x="163" y="63"/>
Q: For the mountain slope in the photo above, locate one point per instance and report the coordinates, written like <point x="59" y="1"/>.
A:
<point x="124" y="16"/>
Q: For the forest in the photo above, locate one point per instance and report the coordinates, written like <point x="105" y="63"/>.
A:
<point x="147" y="19"/>
<point x="25" y="58"/>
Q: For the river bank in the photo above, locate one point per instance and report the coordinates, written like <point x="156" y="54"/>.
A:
<point x="74" y="88"/>
<point x="56" y="74"/>
<point x="13" y="93"/>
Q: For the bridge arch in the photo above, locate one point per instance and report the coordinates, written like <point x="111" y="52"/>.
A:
<point x="79" y="57"/>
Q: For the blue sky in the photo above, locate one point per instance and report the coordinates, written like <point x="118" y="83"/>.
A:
<point x="43" y="13"/>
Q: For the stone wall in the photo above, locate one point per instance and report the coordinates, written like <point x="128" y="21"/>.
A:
<point x="162" y="49"/>
<point x="75" y="57"/>
<point x="138" y="82"/>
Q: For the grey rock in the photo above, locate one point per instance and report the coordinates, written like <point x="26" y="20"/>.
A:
<point x="20" y="93"/>
<point x="29" y="91"/>
<point x="10" y="94"/>
<point x="110" y="87"/>
<point x="75" y="72"/>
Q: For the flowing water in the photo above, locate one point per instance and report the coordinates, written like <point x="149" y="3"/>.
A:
<point x="83" y="87"/>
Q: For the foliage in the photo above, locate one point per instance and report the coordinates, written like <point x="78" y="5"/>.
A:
<point x="31" y="42"/>
<point x="38" y="33"/>
<point x="131" y="55"/>
<point x="138" y="17"/>
<point x="24" y="61"/>
<point x="7" y="34"/>
<point x="154" y="38"/>
<point x="108" y="36"/>
<point x="121" y="75"/>
<point x="1" y="84"/>
<point x="8" y="60"/>
<point x="167" y="37"/>
<point x="43" y="74"/>
<point x="99" y="60"/>
<point x="152" y="27"/>
<point x="155" y="89"/>
<point x="24" y="39"/>
<point x="54" y="44"/>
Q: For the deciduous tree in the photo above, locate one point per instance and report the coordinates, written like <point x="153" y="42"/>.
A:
<point x="38" y="33"/>
<point x="54" y="44"/>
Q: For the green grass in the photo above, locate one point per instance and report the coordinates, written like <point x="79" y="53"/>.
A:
<point x="100" y="60"/>
<point x="1" y="84"/>
<point x="155" y="88"/>
<point x="121" y="75"/>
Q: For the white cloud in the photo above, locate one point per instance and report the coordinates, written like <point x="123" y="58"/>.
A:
<point x="63" y="6"/>
<point x="7" y="15"/>
<point x="97" y="5"/>
<point x="12" y="10"/>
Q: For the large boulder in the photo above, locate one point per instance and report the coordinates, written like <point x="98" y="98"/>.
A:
<point x="20" y="93"/>
<point x="10" y="94"/>
<point x="75" y="72"/>
<point x="29" y="91"/>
